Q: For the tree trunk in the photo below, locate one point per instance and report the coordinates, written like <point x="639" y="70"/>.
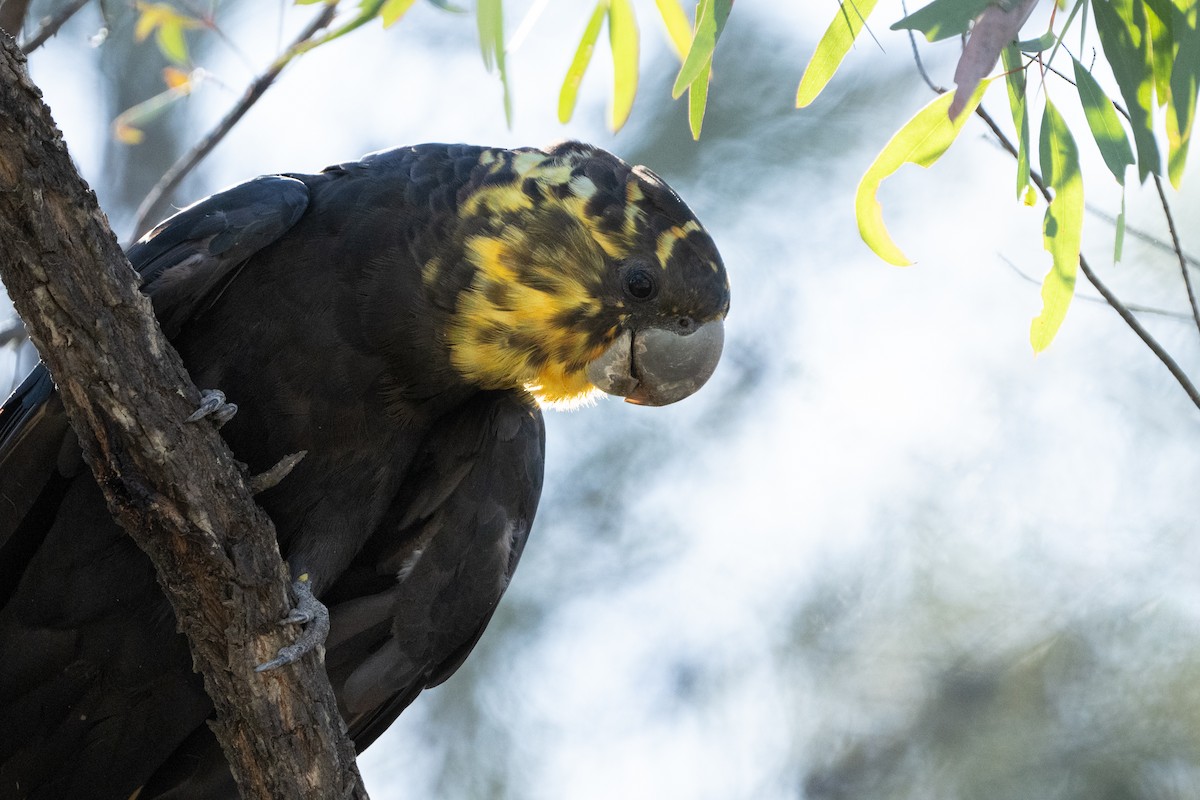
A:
<point x="172" y="485"/>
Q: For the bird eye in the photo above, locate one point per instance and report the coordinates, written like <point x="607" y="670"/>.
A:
<point x="640" y="284"/>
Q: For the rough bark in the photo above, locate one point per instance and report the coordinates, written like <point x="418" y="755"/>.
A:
<point x="172" y="485"/>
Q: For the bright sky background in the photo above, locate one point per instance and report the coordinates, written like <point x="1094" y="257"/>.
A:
<point x="765" y="591"/>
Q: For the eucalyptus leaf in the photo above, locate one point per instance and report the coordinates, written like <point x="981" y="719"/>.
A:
<point x="835" y="43"/>
<point x="1062" y="226"/>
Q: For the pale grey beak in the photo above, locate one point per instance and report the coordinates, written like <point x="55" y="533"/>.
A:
<point x="654" y="367"/>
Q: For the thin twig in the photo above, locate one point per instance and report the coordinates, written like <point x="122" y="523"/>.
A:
<point x="50" y="26"/>
<point x="1113" y="300"/>
<point x="1148" y="238"/>
<point x="1183" y="267"/>
<point x="912" y="39"/>
<point x="1134" y="307"/>
<point x="186" y="163"/>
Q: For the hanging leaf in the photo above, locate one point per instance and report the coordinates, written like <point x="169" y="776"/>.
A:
<point x="489" y="16"/>
<point x="1062" y="226"/>
<point x="1123" y="35"/>
<point x="1119" y="242"/>
<point x="832" y="48"/>
<point x="921" y="141"/>
<point x="569" y="94"/>
<point x="623" y="38"/>
<point x="1014" y="80"/>
<point x="678" y="27"/>
<point x="1162" y="46"/>
<point x="393" y="10"/>
<point x="167" y="24"/>
<point x="710" y="22"/>
<point x="697" y="100"/>
<point x="1104" y="123"/>
<point x="1185" y="82"/>
<point x="942" y="19"/>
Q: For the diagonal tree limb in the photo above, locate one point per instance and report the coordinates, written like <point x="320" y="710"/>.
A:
<point x="173" y="486"/>
<point x="51" y="25"/>
<point x="152" y="206"/>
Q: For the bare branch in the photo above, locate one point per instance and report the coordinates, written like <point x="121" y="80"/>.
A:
<point x="1183" y="265"/>
<point x="151" y="207"/>
<point x="50" y="25"/>
<point x="1142" y="235"/>
<point x="912" y="39"/>
<point x="1127" y="315"/>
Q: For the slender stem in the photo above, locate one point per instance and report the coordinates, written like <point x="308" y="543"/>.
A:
<point x="912" y="40"/>
<point x="1121" y="309"/>
<point x="171" y="179"/>
<point x="1142" y="235"/>
<point x="1183" y="265"/>
<point x="50" y="26"/>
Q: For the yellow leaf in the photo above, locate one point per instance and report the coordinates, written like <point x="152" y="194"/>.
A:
<point x="1062" y="226"/>
<point x="393" y="10"/>
<point x="921" y="141"/>
<point x="623" y="37"/>
<point x="832" y="48"/>
<point x="579" y="64"/>
<point x="127" y="134"/>
<point x="176" y="78"/>
<point x="678" y="27"/>
<point x="150" y="17"/>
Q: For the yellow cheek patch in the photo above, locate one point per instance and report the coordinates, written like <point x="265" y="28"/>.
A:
<point x="506" y="332"/>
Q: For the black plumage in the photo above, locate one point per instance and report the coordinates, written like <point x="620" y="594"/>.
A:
<point x="342" y="312"/>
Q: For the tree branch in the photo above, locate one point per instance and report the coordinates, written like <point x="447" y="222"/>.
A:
<point x="1130" y="319"/>
<point x="151" y="206"/>
<point x="12" y="15"/>
<point x="172" y="485"/>
<point x="50" y="26"/>
<point x="1183" y="264"/>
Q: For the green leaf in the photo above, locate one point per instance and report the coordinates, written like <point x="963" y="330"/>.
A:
<point x="710" y="22"/>
<point x="942" y="19"/>
<point x="1038" y="45"/>
<point x="1122" y="27"/>
<point x="171" y="42"/>
<point x="1105" y="124"/>
<point x="1185" y="82"/>
<point x="832" y="48"/>
<point x="698" y="100"/>
<point x="447" y="6"/>
<point x="1119" y="240"/>
<point x="623" y="38"/>
<point x="1014" y="80"/>
<point x="489" y="15"/>
<point x="393" y="10"/>
<point x="921" y="141"/>
<point x="1062" y="227"/>
<point x="569" y="94"/>
<point x="1162" y="47"/>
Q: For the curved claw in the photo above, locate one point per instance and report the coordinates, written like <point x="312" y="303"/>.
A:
<point x="214" y="407"/>
<point x="308" y="610"/>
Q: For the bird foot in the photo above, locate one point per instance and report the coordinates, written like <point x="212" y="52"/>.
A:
<point x="214" y="407"/>
<point x="311" y="613"/>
